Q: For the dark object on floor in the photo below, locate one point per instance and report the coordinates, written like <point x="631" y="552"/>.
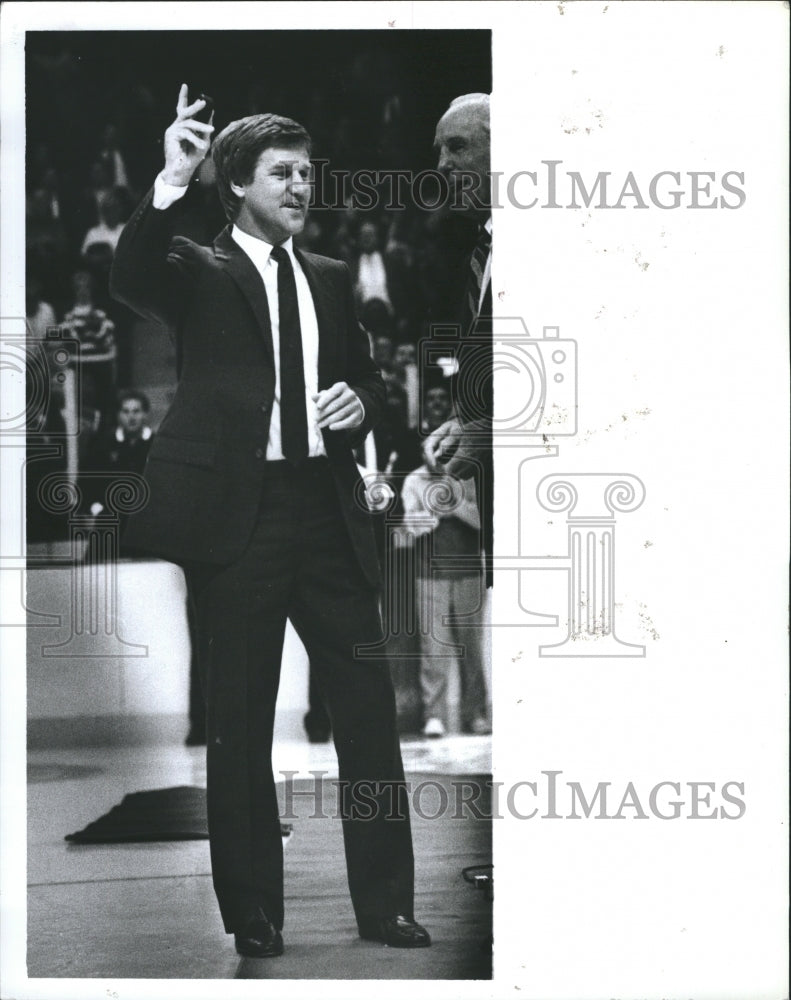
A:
<point x="259" y="939"/>
<point x="481" y="876"/>
<point x="396" y="932"/>
<point x="161" y="814"/>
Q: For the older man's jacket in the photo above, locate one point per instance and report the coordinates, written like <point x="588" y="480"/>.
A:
<point x="207" y="467"/>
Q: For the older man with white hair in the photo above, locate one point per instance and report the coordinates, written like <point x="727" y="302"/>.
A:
<point x="463" y="445"/>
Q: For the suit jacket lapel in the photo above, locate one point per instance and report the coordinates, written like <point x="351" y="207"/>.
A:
<point x="244" y="273"/>
<point x="321" y="290"/>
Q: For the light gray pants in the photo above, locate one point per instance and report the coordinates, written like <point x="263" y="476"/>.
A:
<point x="438" y="598"/>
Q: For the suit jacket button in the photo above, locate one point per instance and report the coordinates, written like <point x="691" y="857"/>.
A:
<point x="259" y="452"/>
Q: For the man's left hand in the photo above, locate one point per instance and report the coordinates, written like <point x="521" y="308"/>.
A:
<point x="339" y="408"/>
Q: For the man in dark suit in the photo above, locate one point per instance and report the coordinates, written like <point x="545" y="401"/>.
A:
<point x="255" y="492"/>
<point x="463" y="445"/>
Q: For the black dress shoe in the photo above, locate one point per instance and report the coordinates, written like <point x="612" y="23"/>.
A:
<point x="397" y="932"/>
<point x="259" y="939"/>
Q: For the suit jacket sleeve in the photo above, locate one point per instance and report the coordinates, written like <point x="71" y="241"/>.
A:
<point x="141" y="276"/>
<point x="363" y="376"/>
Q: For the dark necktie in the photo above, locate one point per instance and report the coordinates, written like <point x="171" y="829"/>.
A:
<point x="475" y="276"/>
<point x="293" y="416"/>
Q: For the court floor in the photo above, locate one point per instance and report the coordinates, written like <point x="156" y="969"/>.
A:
<point x="147" y="910"/>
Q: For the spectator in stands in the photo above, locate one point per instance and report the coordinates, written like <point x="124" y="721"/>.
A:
<point x="382" y="345"/>
<point x="51" y="186"/>
<point x="406" y="375"/>
<point x="95" y="331"/>
<point x="398" y="447"/>
<point x="404" y="358"/>
<point x="441" y="518"/>
<point x="44" y="231"/>
<point x="39" y="315"/>
<point x="405" y="333"/>
<point x="382" y="349"/>
<point x="124" y="449"/>
<point x="110" y="226"/>
<point x="100" y="184"/>
<point x="48" y="254"/>
<point x="86" y="322"/>
<point x="97" y="261"/>
<point x="110" y="154"/>
<point x="369" y="273"/>
<point x="61" y="205"/>
<point x="377" y="320"/>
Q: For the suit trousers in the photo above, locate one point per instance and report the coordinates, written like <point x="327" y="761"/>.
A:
<point x="299" y="565"/>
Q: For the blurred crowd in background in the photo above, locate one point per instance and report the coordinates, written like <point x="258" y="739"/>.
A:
<point x="93" y="149"/>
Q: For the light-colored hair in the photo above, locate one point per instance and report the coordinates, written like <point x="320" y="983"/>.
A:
<point x="236" y="149"/>
<point x="479" y="102"/>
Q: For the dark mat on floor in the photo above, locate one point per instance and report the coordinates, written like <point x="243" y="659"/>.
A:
<point x="177" y="813"/>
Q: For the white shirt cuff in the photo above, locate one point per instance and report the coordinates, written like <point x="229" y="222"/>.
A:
<point x="166" y="194"/>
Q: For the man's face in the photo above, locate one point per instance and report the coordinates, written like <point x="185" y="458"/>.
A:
<point x="110" y="212"/>
<point x="405" y="354"/>
<point x="275" y="201"/>
<point x="368" y="237"/>
<point x="131" y="417"/>
<point x="462" y="146"/>
<point x="437" y="407"/>
<point x="383" y="350"/>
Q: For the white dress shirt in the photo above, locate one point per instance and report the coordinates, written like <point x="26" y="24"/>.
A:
<point x="102" y="234"/>
<point x="259" y="253"/>
<point x="372" y="277"/>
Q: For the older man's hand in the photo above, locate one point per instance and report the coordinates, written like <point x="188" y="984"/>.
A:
<point x="441" y="443"/>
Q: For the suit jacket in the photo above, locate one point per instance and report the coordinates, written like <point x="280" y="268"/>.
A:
<point x="472" y="393"/>
<point x="207" y="465"/>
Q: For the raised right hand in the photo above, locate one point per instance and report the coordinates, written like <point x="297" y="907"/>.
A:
<point x="186" y="142"/>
